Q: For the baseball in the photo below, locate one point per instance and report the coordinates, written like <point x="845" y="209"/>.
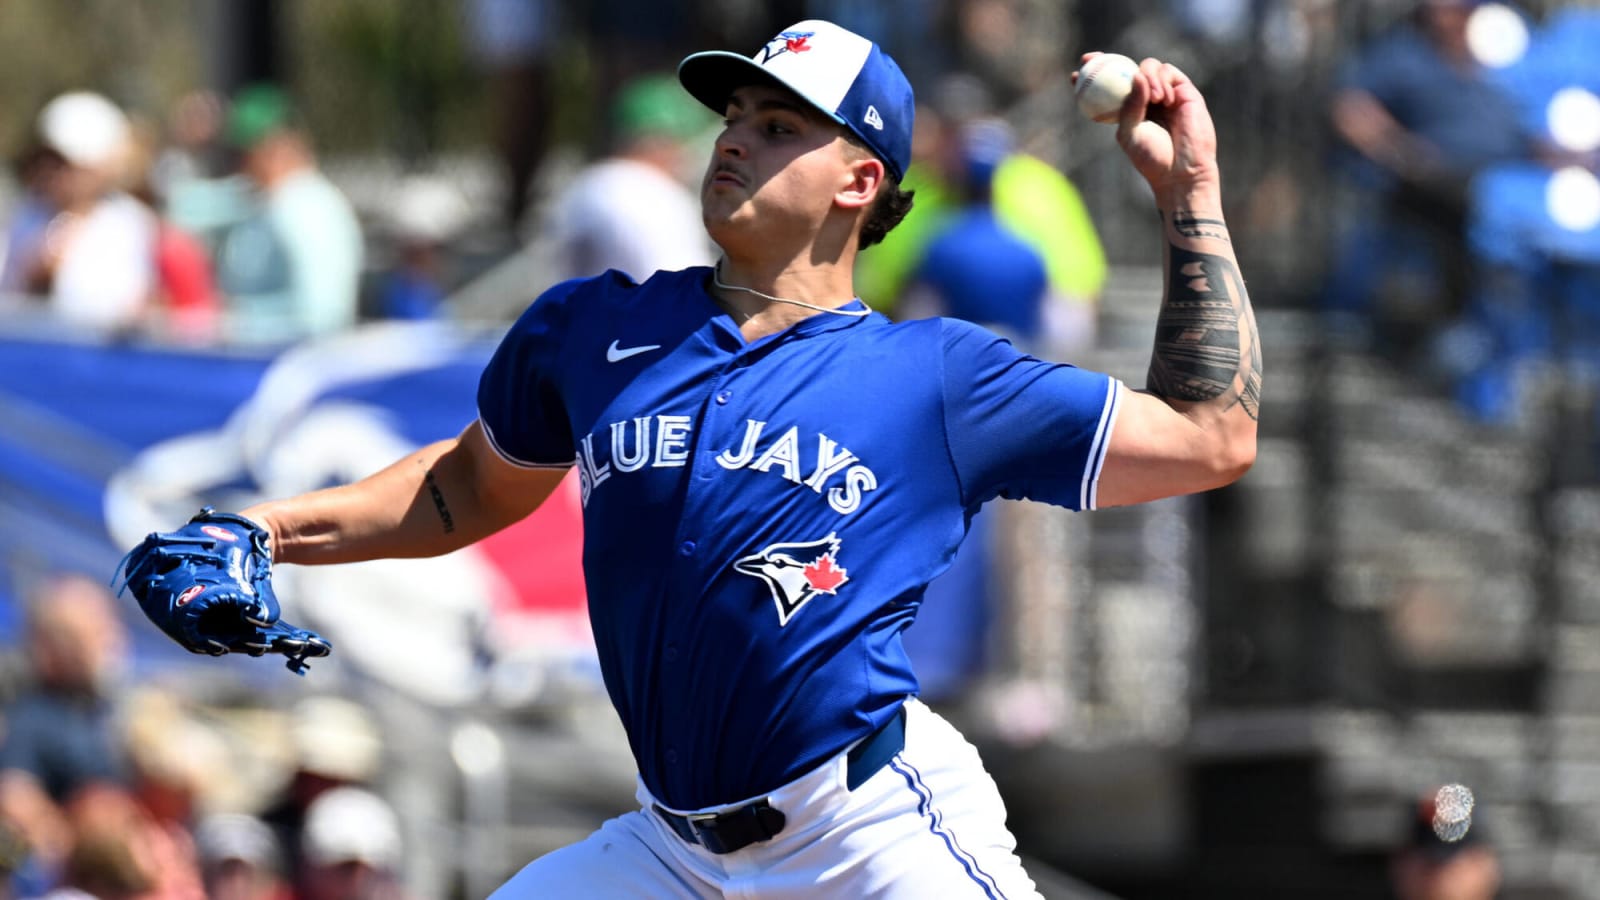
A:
<point x="1103" y="83"/>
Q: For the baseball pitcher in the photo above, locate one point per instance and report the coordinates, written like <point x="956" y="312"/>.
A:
<point x="771" y="473"/>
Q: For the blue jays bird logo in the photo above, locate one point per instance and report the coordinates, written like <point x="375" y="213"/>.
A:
<point x="787" y="42"/>
<point x="796" y="572"/>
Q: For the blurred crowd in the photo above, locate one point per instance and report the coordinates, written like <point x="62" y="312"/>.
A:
<point x="121" y="228"/>
<point x="1470" y="132"/>
<point x="1463" y="137"/>
<point x="110" y="789"/>
<point x="215" y="222"/>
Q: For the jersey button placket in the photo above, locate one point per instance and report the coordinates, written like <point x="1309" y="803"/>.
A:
<point x="712" y="425"/>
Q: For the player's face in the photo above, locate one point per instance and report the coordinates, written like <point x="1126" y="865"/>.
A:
<point x="775" y="168"/>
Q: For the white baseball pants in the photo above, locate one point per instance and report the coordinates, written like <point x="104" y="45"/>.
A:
<point x="929" y="824"/>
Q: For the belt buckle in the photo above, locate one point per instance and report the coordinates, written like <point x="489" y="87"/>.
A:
<point x="704" y="827"/>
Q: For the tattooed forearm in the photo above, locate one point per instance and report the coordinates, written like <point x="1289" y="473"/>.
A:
<point x="438" y="502"/>
<point x="1206" y="344"/>
<point x="1193" y="226"/>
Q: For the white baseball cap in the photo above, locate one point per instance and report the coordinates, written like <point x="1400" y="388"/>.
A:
<point x="221" y="837"/>
<point x="841" y="73"/>
<point x="85" y="128"/>
<point x="351" y="824"/>
<point x="336" y="738"/>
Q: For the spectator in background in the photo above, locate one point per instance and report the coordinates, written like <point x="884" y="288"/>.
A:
<point x="120" y="853"/>
<point x="632" y="210"/>
<point x="27" y="222"/>
<point x="1030" y="197"/>
<point x="1042" y="206"/>
<point x="193" y="149"/>
<point x="883" y="275"/>
<point x="976" y="268"/>
<point x="93" y="259"/>
<point x="351" y="848"/>
<point x="1428" y="867"/>
<point x="1526" y="351"/>
<point x="337" y="745"/>
<point x="185" y="303"/>
<point x="239" y="859"/>
<point x="106" y="861"/>
<point x="425" y="215"/>
<point x="60" y="732"/>
<point x="60" y="737"/>
<point x="1424" y="117"/>
<point x="514" y="41"/>
<point x="292" y="270"/>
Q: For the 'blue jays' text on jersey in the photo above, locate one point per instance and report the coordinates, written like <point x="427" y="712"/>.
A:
<point x="760" y="519"/>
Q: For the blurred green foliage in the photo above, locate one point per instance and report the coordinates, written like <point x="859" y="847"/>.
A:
<point x="141" y="54"/>
<point x="377" y="74"/>
<point x="368" y="75"/>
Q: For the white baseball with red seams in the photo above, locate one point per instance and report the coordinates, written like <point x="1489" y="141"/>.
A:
<point x="1103" y="84"/>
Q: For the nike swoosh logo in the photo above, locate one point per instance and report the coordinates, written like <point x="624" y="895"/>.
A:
<point x="617" y="354"/>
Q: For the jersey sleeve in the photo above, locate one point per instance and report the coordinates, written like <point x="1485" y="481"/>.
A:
<point x="1020" y="427"/>
<point x="519" y="394"/>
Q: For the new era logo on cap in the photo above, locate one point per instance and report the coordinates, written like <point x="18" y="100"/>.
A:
<point x="838" y="71"/>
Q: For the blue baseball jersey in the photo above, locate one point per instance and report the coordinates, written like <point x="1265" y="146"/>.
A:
<point x="760" y="519"/>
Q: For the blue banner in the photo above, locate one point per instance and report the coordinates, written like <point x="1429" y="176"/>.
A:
<point x="103" y="443"/>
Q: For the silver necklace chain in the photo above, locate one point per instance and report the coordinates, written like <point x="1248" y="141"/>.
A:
<point x="716" y="279"/>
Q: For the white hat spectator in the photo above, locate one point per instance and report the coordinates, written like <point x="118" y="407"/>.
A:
<point x="336" y="738"/>
<point x="225" y="837"/>
<point x="86" y="129"/>
<point x="349" y="824"/>
<point x="427" y="210"/>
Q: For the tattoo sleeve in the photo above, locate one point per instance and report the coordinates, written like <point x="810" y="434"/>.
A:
<point x="438" y="502"/>
<point x="1190" y="225"/>
<point x="1206" y="341"/>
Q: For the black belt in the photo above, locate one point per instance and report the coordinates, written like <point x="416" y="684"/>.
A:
<point x="736" y="829"/>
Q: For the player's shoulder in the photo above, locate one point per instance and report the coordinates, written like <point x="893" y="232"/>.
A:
<point x="615" y="288"/>
<point x="940" y="331"/>
<point x="960" y="334"/>
<point x="937" y="340"/>
<point x="673" y="282"/>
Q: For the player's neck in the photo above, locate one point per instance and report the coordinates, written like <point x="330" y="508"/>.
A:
<point x="765" y="299"/>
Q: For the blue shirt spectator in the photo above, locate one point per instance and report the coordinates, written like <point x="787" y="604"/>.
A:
<point x="292" y="269"/>
<point x="62" y="730"/>
<point x="1452" y="115"/>
<point x="984" y="273"/>
<point x="1424" y="116"/>
<point x="63" y="741"/>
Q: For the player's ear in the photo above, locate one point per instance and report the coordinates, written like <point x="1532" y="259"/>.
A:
<point x="863" y="177"/>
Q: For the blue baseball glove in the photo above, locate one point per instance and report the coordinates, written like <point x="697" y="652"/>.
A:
<point x="208" y="585"/>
